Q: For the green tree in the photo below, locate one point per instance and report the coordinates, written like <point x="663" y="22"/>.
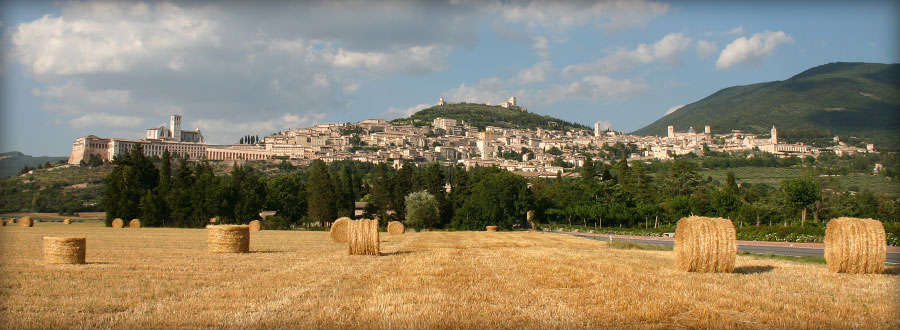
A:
<point x="422" y="210"/>
<point x="588" y="171"/>
<point x="800" y="194"/>
<point x="320" y="194"/>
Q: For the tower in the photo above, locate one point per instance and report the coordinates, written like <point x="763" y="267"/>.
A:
<point x="774" y="137"/>
<point x="441" y="101"/>
<point x="707" y="130"/>
<point x="512" y="101"/>
<point x="671" y="131"/>
<point x="175" y="127"/>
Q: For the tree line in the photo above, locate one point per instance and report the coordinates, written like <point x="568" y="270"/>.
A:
<point x="621" y="193"/>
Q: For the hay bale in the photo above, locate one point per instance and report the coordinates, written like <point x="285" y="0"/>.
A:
<point x="3" y="223"/>
<point x="213" y="219"/>
<point x="530" y="218"/>
<point x="705" y="245"/>
<point x="134" y="223"/>
<point x="363" y="237"/>
<point x="67" y="221"/>
<point x="396" y="228"/>
<point x="118" y="223"/>
<point x="491" y="228"/>
<point x="339" y="230"/>
<point x="26" y="222"/>
<point x="255" y="225"/>
<point x="228" y="238"/>
<point x="64" y="250"/>
<point x="855" y="246"/>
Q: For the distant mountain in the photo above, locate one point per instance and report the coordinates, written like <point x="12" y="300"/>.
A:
<point x="845" y="99"/>
<point x="480" y="115"/>
<point x="12" y="162"/>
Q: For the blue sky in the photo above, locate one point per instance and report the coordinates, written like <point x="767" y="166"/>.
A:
<point x="71" y="69"/>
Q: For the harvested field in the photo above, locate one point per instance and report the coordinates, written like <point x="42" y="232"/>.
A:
<point x="166" y="279"/>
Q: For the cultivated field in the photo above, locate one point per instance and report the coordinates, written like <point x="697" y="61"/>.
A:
<point x="164" y="278"/>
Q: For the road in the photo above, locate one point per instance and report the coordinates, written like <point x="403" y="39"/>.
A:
<point x="779" y="248"/>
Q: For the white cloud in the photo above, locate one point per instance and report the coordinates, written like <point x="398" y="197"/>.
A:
<point x="394" y="113"/>
<point x="706" y="48"/>
<point x="92" y="120"/>
<point x="736" y="30"/>
<point x="590" y="88"/>
<point x="751" y="50"/>
<point x="74" y="98"/>
<point x="412" y="60"/>
<point x="673" y="109"/>
<point x="667" y="49"/>
<point x="542" y="47"/>
<point x="562" y="15"/>
<point x="534" y="74"/>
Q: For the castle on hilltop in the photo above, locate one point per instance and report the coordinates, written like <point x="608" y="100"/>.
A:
<point x="510" y="104"/>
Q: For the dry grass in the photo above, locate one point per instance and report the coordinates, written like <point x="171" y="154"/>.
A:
<point x="705" y="245"/>
<point x="363" y="237"/>
<point x="339" y="230"/>
<point x="396" y="228"/>
<point x="855" y="246"/>
<point x="64" y="250"/>
<point x="164" y="278"/>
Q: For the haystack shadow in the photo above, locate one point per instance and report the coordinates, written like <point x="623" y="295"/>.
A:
<point x="747" y="270"/>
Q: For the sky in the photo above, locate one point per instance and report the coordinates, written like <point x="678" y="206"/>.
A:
<point x="232" y="68"/>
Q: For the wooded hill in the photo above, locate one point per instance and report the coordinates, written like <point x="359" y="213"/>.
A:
<point x="481" y="115"/>
<point x="859" y="100"/>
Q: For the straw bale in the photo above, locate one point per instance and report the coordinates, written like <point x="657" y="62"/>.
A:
<point x="339" y="230"/>
<point x="67" y="221"/>
<point x="213" y="219"/>
<point x="363" y="237"/>
<point x="491" y="228"/>
<point x="396" y="228"/>
<point x="26" y="222"/>
<point x="118" y="223"/>
<point x="228" y="238"/>
<point x="855" y="246"/>
<point x="64" y="250"/>
<point x="705" y="245"/>
<point x="255" y="225"/>
<point x="134" y="223"/>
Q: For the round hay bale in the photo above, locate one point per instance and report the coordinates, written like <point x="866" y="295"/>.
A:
<point x="491" y="228"/>
<point x="855" y="246"/>
<point x="134" y="223"/>
<point x="396" y="228"/>
<point x="339" y="230"/>
<point x="228" y="238"/>
<point x="26" y="222"/>
<point x="255" y="225"/>
<point x="118" y="223"/>
<point x="64" y="250"/>
<point x="363" y="237"/>
<point x="213" y="219"/>
<point x="67" y="221"/>
<point x="705" y="245"/>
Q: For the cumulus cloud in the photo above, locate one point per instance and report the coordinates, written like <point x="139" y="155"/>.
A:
<point x="706" y="49"/>
<point x="751" y="50"/>
<point x="105" y="120"/>
<point x="394" y="113"/>
<point x="542" y="47"/>
<point x="534" y="74"/>
<point x="217" y="128"/>
<point x="562" y="15"/>
<point x="668" y="49"/>
<point x="232" y="64"/>
<point x="589" y="88"/>
<point x="673" y="109"/>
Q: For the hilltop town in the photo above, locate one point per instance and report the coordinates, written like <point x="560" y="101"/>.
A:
<point x="538" y="152"/>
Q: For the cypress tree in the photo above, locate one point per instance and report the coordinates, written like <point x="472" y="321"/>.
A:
<point x="320" y="197"/>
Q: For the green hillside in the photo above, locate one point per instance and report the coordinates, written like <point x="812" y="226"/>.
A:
<point x="846" y="99"/>
<point x="12" y="162"/>
<point x="480" y="115"/>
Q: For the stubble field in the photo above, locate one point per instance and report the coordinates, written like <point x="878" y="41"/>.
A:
<point x="164" y="278"/>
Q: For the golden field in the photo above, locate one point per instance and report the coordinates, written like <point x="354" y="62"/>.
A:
<point x="164" y="278"/>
